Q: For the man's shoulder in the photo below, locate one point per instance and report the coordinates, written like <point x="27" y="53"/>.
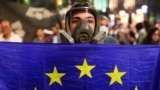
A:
<point x="16" y="37"/>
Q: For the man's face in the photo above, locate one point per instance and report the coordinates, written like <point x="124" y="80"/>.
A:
<point x="156" y="36"/>
<point x="0" y="28"/>
<point x="6" y="27"/>
<point x="55" y="30"/>
<point x="39" y="32"/>
<point x="104" y="22"/>
<point x="82" y="16"/>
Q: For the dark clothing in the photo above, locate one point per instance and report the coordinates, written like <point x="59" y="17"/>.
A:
<point x="36" y="40"/>
<point x="111" y="40"/>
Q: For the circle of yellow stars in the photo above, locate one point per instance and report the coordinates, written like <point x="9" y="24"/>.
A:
<point x="85" y="70"/>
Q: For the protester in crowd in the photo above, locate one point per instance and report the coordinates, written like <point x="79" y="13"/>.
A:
<point x="122" y="38"/>
<point x="64" y="10"/>
<point x="0" y="29"/>
<point x="7" y="33"/>
<point x="62" y="24"/>
<point x="157" y="24"/>
<point x="117" y="28"/>
<point x="131" y="38"/>
<point x="104" y="26"/>
<point x="56" y="35"/>
<point x="39" y="36"/>
<point x="141" y="32"/>
<point x="82" y="25"/>
<point x="153" y="36"/>
<point x="104" y="23"/>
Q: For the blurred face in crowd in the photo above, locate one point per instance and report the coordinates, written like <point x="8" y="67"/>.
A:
<point x="40" y="32"/>
<point x="82" y="16"/>
<point x="55" y="30"/>
<point x="0" y="28"/>
<point x="156" y="36"/>
<point x="157" y="25"/>
<point x="104" y="23"/>
<point x="6" y="27"/>
<point x="63" y="24"/>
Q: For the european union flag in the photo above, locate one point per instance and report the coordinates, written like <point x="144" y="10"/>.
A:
<point x="78" y="67"/>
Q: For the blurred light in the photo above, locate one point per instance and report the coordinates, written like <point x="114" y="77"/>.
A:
<point x="113" y="4"/>
<point x="103" y="10"/>
<point x="139" y="11"/>
<point x="27" y="2"/>
<point x="129" y="4"/>
<point x="100" y="4"/>
<point x="139" y="15"/>
<point x="112" y="20"/>
<point x="112" y="17"/>
<point x="122" y="12"/>
<point x="144" y="9"/>
<point x="123" y="15"/>
<point x="59" y="2"/>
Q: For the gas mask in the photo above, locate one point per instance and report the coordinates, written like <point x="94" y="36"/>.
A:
<point x="79" y="26"/>
<point x="82" y="32"/>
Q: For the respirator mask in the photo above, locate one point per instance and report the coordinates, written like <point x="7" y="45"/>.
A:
<point x="82" y="32"/>
<point x="104" y="29"/>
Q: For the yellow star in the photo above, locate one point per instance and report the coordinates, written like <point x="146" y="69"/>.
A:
<point x="116" y="76"/>
<point x="85" y="69"/>
<point x="55" y="76"/>
<point x="136" y="88"/>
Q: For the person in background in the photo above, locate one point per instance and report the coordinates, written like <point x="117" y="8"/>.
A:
<point x="39" y="36"/>
<point x="62" y="24"/>
<point x="122" y="38"/>
<point x="104" y="26"/>
<point x="157" y="24"/>
<point x="0" y="29"/>
<point x="141" y="32"/>
<point x="153" y="36"/>
<point x="7" y="33"/>
<point x="131" y="38"/>
<point x="104" y="23"/>
<point x="56" y="36"/>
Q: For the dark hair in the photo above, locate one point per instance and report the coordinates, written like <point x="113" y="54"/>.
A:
<point x="131" y="33"/>
<point x="5" y="20"/>
<point x="82" y="4"/>
<point x="103" y="17"/>
<point x="148" y="39"/>
<point x="0" y="20"/>
<point x="139" y="26"/>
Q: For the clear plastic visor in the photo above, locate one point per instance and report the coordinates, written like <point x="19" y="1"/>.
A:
<point x="84" y="15"/>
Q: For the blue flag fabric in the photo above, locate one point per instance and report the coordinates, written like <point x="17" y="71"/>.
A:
<point x="78" y="67"/>
<point x="156" y="78"/>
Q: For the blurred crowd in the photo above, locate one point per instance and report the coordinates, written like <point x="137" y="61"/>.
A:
<point x="145" y="32"/>
<point x="140" y="33"/>
<point x="41" y="35"/>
